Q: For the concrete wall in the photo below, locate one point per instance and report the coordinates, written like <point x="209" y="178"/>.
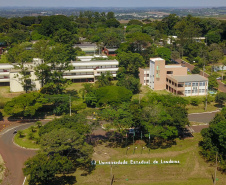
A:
<point x="15" y="83"/>
<point x="177" y="70"/>
<point x="160" y="75"/>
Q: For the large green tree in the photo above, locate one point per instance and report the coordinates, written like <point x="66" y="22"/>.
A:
<point x="138" y="41"/>
<point x="20" y="55"/>
<point x="67" y="142"/>
<point x="76" y="122"/>
<point x="42" y="169"/>
<point x="130" y="82"/>
<point x="108" y="95"/>
<point x="105" y="79"/>
<point x="51" y="69"/>
<point x="212" y="84"/>
<point x="25" y="105"/>
<point x="130" y="62"/>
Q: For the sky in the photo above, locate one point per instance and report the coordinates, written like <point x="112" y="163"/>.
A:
<point x="113" y="3"/>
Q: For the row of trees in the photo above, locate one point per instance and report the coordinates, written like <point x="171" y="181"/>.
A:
<point x="137" y="42"/>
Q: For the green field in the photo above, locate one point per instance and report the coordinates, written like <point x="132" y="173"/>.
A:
<point x="191" y="170"/>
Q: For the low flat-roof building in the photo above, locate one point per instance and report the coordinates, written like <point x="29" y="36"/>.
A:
<point x="87" y="47"/>
<point x="173" y="78"/>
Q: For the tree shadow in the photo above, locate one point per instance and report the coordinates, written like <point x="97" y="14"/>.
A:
<point x="63" y="180"/>
<point x="73" y="93"/>
<point x="218" y="105"/>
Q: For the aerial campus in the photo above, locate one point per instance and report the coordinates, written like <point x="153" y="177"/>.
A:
<point x="112" y="95"/>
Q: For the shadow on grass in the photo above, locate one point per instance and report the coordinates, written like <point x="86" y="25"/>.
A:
<point x="219" y="106"/>
<point x="63" y="180"/>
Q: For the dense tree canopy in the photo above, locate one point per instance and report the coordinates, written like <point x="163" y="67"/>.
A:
<point x="130" y="62"/>
<point x="214" y="139"/>
<point x="25" y="105"/>
<point x="76" y="122"/>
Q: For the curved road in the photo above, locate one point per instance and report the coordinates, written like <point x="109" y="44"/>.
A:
<point x="14" y="156"/>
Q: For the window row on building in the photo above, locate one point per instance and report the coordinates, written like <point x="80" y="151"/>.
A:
<point x="173" y="78"/>
<point x="87" y="71"/>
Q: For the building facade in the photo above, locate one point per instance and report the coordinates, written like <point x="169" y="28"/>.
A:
<point x="88" y="71"/>
<point x="172" y="78"/>
<point x="83" y="71"/>
<point x="5" y="74"/>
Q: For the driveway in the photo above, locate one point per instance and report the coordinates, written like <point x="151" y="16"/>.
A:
<point x="14" y="156"/>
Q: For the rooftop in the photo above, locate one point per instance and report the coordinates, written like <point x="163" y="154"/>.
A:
<point x="156" y="59"/>
<point x="95" y="62"/>
<point x="173" y="66"/>
<point x="189" y="78"/>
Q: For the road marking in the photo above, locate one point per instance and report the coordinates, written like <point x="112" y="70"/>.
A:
<point x="24" y="180"/>
<point x="205" y="112"/>
<point x="5" y="131"/>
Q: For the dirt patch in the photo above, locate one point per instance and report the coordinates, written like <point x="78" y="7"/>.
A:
<point x="4" y="124"/>
<point x="123" y="21"/>
<point x="103" y="153"/>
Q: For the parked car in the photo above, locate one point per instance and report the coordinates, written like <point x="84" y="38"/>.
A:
<point x="219" y="78"/>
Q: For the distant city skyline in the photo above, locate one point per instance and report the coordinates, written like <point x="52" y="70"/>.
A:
<point x="113" y="3"/>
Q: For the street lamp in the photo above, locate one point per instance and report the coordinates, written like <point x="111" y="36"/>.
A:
<point x="134" y="149"/>
<point x="127" y="150"/>
<point x="142" y="149"/>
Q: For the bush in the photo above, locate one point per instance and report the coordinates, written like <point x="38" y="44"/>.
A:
<point x="20" y="133"/>
<point x="30" y="136"/>
<point x="37" y="140"/>
<point x="195" y="101"/>
<point x="1" y="116"/>
<point x="38" y="124"/>
<point x="2" y="104"/>
<point x="196" y="70"/>
<point x="77" y="106"/>
<point x="32" y="129"/>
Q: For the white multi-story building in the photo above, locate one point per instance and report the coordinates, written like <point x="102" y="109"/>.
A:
<point x="83" y="71"/>
<point x="90" y="70"/>
<point x="5" y="73"/>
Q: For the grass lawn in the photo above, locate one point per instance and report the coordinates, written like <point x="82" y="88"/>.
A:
<point x="1" y="168"/>
<point x="191" y="170"/>
<point x="25" y="141"/>
<point x="201" y="108"/>
<point x="75" y="86"/>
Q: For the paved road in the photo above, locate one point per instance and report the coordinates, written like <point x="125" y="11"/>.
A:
<point x="198" y="128"/>
<point x="222" y="86"/>
<point x="204" y="117"/>
<point x="14" y="156"/>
